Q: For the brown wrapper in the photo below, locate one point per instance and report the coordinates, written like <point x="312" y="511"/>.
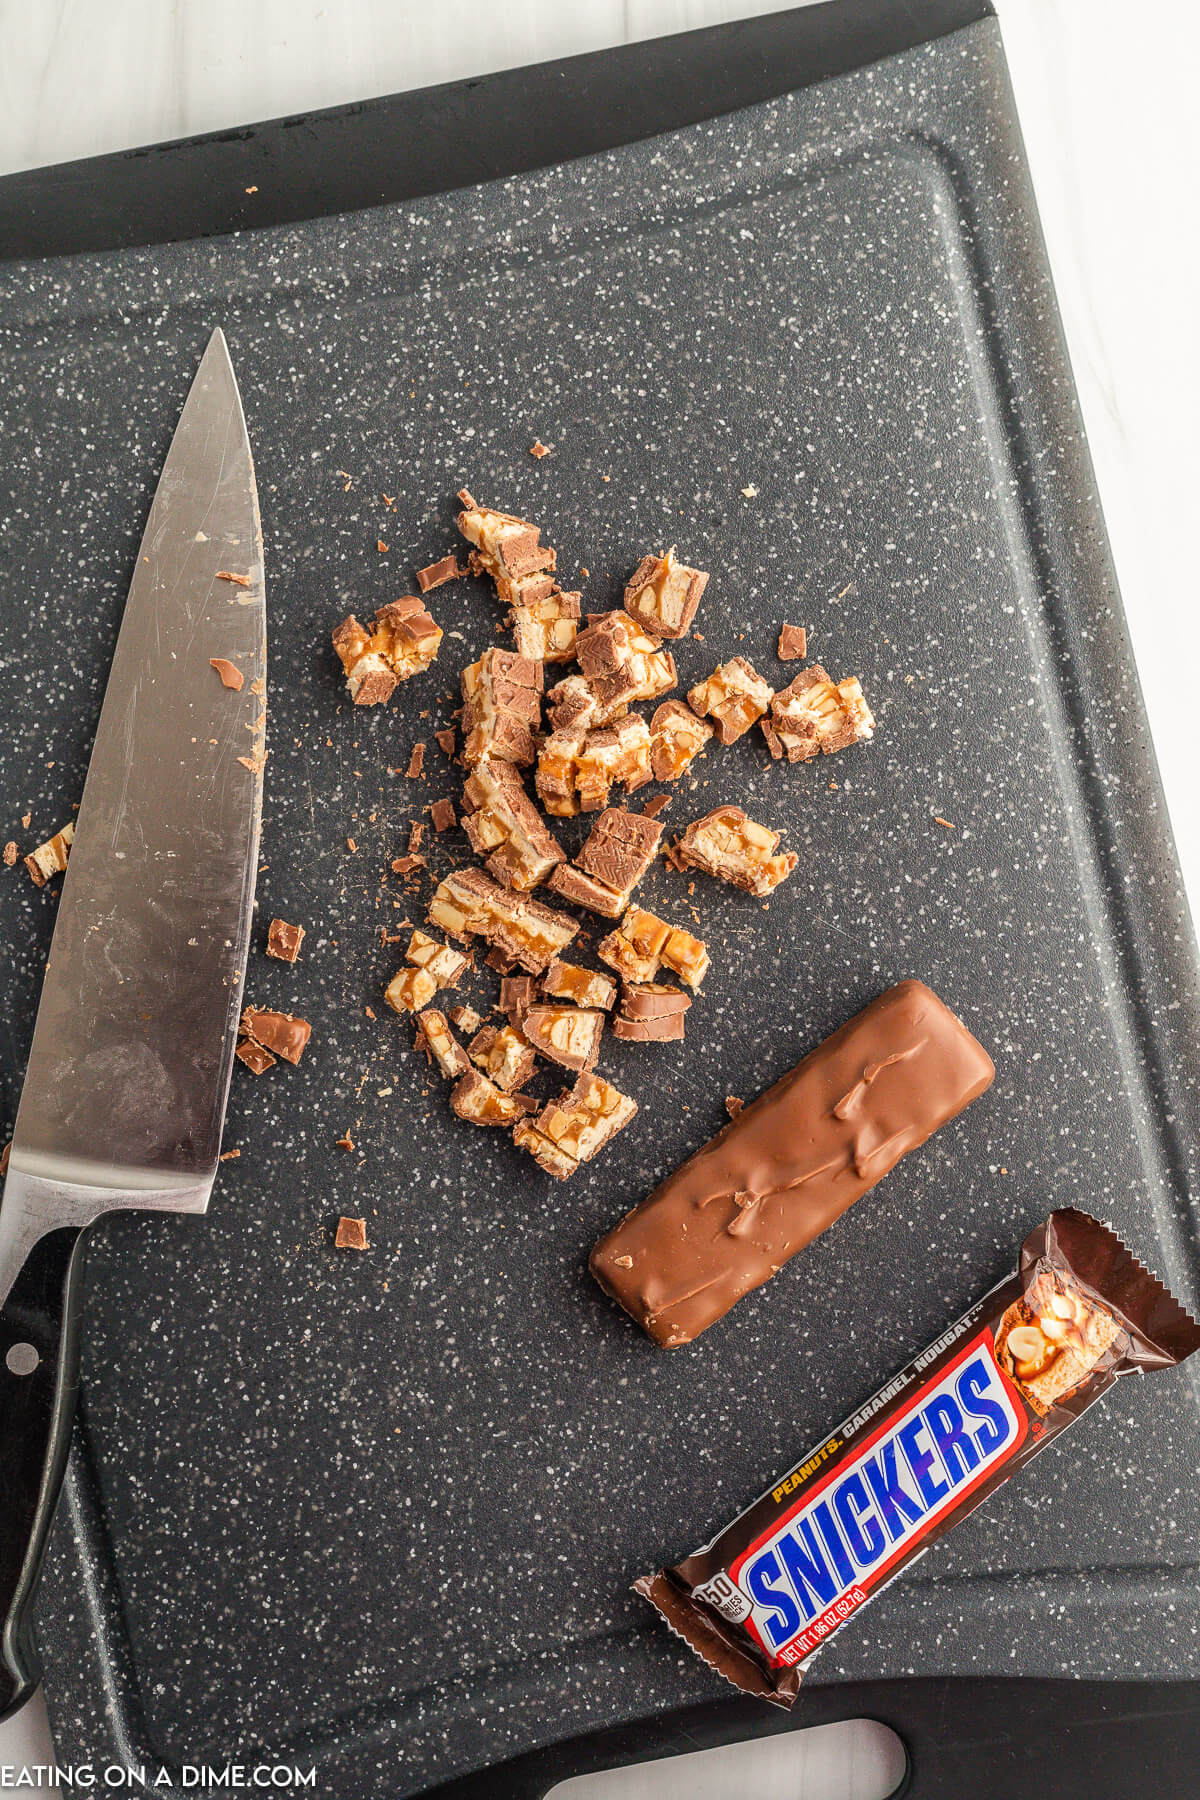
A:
<point x="932" y="1444"/>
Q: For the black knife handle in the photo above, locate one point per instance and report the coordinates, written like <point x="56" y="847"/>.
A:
<point x="37" y="1406"/>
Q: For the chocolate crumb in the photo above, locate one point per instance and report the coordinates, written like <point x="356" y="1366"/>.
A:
<point x="381" y="546"/>
<point x="346" y="1142"/>
<point x="4" y="1159"/>
<point x="733" y="1105"/>
<point x="231" y="677"/>
<point x="351" y="845"/>
<point x="940" y="821"/>
<point x="407" y="865"/>
<point x="351" y="1234"/>
<point x="655" y="805"/>
<point x="538" y="449"/>
<point x="10" y="854"/>
<point x="416" y="762"/>
<point x="237" y="580"/>
<point x="229" y="1155"/>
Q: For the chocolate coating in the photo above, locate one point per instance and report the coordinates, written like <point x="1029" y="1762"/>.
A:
<point x="791" y="1163"/>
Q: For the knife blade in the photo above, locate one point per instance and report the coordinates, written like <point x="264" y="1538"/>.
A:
<point x="128" y="1074"/>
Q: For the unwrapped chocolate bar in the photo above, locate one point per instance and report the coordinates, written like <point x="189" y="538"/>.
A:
<point x="1080" y="1310"/>
<point x="780" y="1173"/>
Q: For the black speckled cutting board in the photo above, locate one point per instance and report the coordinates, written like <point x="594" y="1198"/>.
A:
<point x="381" y="1512"/>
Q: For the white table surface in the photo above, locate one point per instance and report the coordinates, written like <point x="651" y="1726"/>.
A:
<point x="1107" y="101"/>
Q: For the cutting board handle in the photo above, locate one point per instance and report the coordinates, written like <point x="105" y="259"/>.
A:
<point x="39" y="1383"/>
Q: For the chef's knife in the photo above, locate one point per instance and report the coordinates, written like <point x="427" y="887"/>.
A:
<point x="125" y="1089"/>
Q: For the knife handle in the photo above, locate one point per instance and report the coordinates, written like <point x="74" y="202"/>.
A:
<point x="37" y="1406"/>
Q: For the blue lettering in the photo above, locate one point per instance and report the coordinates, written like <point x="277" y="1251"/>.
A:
<point x="833" y="1542"/>
<point x="804" y="1560"/>
<point x="971" y="1389"/>
<point x="894" y="1503"/>
<point x="759" y="1577"/>
<point x="921" y="1463"/>
<point x="948" y="1432"/>
<point x="852" y="1504"/>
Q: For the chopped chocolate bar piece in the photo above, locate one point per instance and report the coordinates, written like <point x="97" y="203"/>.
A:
<point x="650" y="1013"/>
<point x="447" y="739"/>
<point x="612" y="755"/>
<point x="505" y="827"/>
<point x="618" y="851"/>
<point x="504" y="544"/>
<point x="657" y="803"/>
<point x="793" y="643"/>
<point x="576" y="770"/>
<point x="557" y="763"/>
<point x="505" y="1056"/>
<point x="762" y="1596"/>
<point x="676" y="738"/>
<point x="466" y="1018"/>
<point x="663" y="595"/>
<point x="577" y="889"/>
<point x="622" y="664"/>
<point x="517" y="993"/>
<point x="502" y="696"/>
<point x="481" y="1102"/>
<point x="50" y="858"/>
<point x="467" y="904"/>
<point x="256" y="1059"/>
<point x="403" y="641"/>
<point x="447" y="569"/>
<point x="282" y="1033"/>
<point x="447" y="966"/>
<point x="231" y="675"/>
<point x="443" y="815"/>
<point x="546" y="623"/>
<point x="789" y="1165"/>
<point x="575" y="1126"/>
<point x="416" y="762"/>
<point x="586" y="987"/>
<point x="435" y="1037"/>
<point x="10" y="854"/>
<point x="642" y="943"/>
<point x="410" y="989"/>
<point x="734" y="848"/>
<point x="351" y="1235"/>
<point x="815" y="714"/>
<point x="284" y="940"/>
<point x="500" y="960"/>
<point x="734" y="696"/>
<point x="569" y="1035"/>
<point x="573" y="707"/>
<point x="544" y="1151"/>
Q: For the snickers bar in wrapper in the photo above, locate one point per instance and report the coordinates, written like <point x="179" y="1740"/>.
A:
<point x="759" y="1601"/>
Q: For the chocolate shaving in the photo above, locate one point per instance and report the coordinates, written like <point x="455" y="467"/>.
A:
<point x="416" y="762"/>
<point x="242" y="581"/>
<point x="443" y="815"/>
<point x="231" y="677"/>
<point x="436" y="574"/>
